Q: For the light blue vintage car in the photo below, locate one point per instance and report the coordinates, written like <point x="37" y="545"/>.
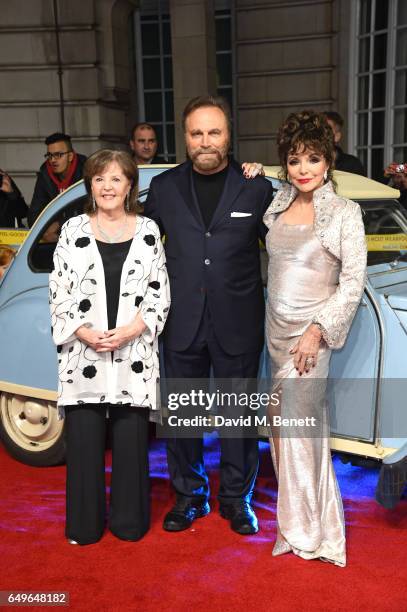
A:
<point x="368" y="377"/>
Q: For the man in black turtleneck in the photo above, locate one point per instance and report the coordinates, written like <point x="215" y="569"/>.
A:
<point x="208" y="189"/>
<point x="212" y="218"/>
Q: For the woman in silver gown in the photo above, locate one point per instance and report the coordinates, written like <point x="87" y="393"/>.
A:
<point x="317" y="265"/>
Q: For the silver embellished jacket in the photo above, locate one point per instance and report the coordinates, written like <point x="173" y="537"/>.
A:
<point x="339" y="226"/>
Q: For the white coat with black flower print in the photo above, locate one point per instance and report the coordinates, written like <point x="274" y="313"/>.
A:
<point x="78" y="297"/>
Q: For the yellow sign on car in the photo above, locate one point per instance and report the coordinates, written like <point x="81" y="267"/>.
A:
<point x="12" y="237"/>
<point x="386" y="242"/>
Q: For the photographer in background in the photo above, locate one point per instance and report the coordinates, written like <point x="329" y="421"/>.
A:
<point x="343" y="161"/>
<point x="397" y="175"/>
<point x="12" y="204"/>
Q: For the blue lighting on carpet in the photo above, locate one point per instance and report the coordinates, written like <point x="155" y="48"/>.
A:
<point x="356" y="483"/>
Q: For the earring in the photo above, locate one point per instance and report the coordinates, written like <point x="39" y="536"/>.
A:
<point x="127" y="204"/>
<point x="93" y="203"/>
<point x="325" y="175"/>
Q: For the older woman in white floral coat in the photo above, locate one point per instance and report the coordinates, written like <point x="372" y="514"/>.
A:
<point x="109" y="299"/>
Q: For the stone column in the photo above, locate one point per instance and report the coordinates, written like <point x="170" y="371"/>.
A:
<point x="284" y="63"/>
<point x="193" y="56"/>
<point x="343" y="45"/>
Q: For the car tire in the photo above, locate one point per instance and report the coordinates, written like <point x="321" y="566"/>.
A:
<point x="30" y="430"/>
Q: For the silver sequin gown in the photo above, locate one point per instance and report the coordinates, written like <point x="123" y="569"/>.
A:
<point x="302" y="275"/>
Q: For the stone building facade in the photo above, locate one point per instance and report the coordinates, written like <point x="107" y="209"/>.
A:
<point x="77" y="65"/>
<point x="83" y="89"/>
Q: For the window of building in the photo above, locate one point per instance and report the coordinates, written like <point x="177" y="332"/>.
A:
<point x="400" y="85"/>
<point x="224" y="56"/>
<point x="153" y="58"/>
<point x="154" y="72"/>
<point x="225" y="71"/>
<point x="380" y="68"/>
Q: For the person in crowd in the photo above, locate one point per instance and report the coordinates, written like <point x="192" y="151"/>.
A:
<point x="212" y="219"/>
<point x="12" y="204"/>
<point x="7" y="255"/>
<point x="144" y="144"/>
<point x="317" y="266"/>
<point x="109" y="299"/>
<point x="343" y="161"/>
<point x="397" y="175"/>
<point x="62" y="168"/>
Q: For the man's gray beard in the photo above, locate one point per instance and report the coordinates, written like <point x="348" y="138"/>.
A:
<point x="210" y="163"/>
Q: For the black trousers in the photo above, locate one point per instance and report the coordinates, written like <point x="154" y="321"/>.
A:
<point x="239" y="458"/>
<point x="85" y="472"/>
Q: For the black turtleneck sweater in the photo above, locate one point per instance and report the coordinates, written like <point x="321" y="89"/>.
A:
<point x="208" y="189"/>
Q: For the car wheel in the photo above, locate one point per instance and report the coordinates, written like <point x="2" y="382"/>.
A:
<point x="31" y="431"/>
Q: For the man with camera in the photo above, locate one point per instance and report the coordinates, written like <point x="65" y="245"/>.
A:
<point x="397" y="175"/>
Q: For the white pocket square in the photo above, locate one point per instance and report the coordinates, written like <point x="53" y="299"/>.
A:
<point x="240" y="214"/>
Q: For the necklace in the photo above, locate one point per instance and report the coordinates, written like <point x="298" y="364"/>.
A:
<point x="116" y="236"/>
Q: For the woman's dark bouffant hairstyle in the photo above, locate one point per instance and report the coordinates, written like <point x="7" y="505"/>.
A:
<point x="97" y="164"/>
<point x="306" y="130"/>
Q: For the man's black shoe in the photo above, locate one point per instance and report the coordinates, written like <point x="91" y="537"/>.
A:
<point x="241" y="516"/>
<point x="182" y="515"/>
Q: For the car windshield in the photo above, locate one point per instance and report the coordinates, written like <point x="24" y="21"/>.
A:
<point x="386" y="231"/>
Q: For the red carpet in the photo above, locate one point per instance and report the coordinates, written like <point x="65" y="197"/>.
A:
<point x="208" y="568"/>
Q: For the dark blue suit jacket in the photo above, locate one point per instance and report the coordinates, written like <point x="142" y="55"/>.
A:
<point x="220" y="265"/>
